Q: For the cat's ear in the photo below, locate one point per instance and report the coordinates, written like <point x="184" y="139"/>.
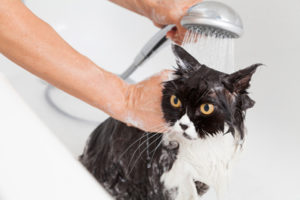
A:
<point x="184" y="60"/>
<point x="239" y="81"/>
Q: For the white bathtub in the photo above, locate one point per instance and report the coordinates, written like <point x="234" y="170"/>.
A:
<point x="34" y="163"/>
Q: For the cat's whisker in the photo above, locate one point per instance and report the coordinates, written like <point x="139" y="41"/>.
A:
<point x="142" y="153"/>
<point x="143" y="136"/>
<point x="165" y="125"/>
<point x="164" y="129"/>
<point x="155" y="151"/>
<point x="161" y="128"/>
<point x="168" y="130"/>
<point x="139" y="147"/>
<point x="158" y="128"/>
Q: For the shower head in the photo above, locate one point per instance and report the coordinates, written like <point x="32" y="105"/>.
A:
<point x="215" y="18"/>
<point x="208" y="17"/>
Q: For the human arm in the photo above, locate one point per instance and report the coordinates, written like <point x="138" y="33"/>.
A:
<point x="34" y="45"/>
<point x="161" y="13"/>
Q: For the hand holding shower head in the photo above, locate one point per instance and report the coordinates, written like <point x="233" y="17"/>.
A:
<point x="209" y="17"/>
<point x="212" y="17"/>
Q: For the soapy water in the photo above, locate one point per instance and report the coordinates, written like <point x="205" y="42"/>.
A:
<point x="214" y="49"/>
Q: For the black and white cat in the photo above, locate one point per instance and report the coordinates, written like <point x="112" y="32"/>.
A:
<point x="205" y="110"/>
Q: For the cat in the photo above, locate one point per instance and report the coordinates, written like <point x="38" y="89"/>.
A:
<point x="205" y="111"/>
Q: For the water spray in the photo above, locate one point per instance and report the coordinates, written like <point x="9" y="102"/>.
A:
<point x="211" y="26"/>
<point x="209" y="18"/>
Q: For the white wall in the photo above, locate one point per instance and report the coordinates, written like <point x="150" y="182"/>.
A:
<point x="112" y="36"/>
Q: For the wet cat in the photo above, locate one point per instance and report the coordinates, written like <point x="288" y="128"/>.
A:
<point x="205" y="110"/>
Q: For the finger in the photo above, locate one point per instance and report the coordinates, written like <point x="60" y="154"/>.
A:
<point x="177" y="34"/>
<point x="171" y="33"/>
<point x="166" y="75"/>
<point x="180" y="34"/>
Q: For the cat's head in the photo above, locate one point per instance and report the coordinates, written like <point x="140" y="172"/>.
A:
<point x="201" y="101"/>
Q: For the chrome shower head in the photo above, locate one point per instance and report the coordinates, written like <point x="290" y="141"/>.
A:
<point x="215" y="18"/>
<point x="208" y="17"/>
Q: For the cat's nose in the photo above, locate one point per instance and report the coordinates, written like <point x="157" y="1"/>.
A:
<point x="183" y="126"/>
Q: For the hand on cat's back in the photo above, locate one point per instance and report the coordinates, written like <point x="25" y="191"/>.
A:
<point x="143" y="103"/>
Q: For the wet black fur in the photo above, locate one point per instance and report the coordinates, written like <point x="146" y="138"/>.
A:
<point x="112" y="154"/>
<point x="129" y="162"/>
<point x="193" y="86"/>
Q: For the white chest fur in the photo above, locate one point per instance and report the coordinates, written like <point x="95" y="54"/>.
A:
<point x="205" y="160"/>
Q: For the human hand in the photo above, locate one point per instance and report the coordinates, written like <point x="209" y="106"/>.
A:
<point x="161" y="13"/>
<point x="143" y="104"/>
<point x="169" y="12"/>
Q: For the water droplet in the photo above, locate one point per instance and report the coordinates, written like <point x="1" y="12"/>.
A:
<point x="211" y="47"/>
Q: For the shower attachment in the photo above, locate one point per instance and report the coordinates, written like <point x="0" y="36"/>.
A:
<point x="210" y="19"/>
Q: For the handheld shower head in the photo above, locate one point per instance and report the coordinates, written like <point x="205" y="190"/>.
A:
<point x="213" y="17"/>
<point x="207" y="17"/>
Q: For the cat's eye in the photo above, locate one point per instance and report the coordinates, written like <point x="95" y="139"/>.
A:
<point x="175" y="102"/>
<point x="207" y="108"/>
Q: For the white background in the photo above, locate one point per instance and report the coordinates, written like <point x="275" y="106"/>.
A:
<point x="112" y="36"/>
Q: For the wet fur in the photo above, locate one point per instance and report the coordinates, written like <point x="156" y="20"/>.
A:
<point x="132" y="164"/>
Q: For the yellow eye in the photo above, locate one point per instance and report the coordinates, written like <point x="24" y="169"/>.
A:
<point x="207" y="108"/>
<point x="175" y="102"/>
